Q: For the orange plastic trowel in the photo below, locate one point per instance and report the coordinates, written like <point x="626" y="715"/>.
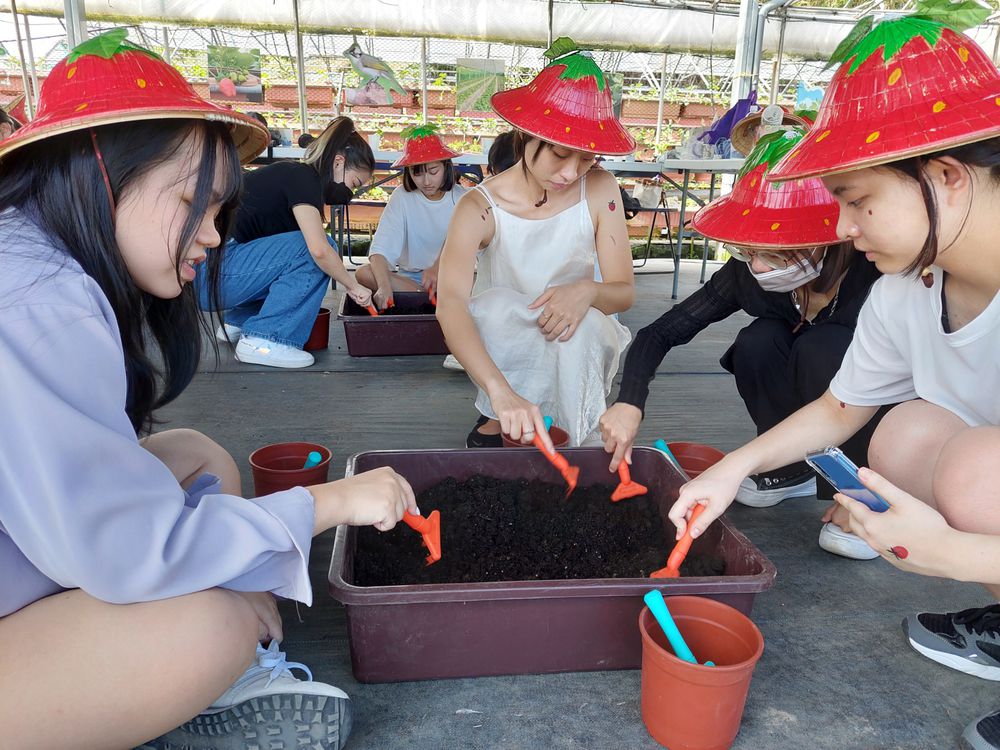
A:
<point x="627" y="488"/>
<point x="430" y="529"/>
<point x="569" y="473"/>
<point x="673" y="569"/>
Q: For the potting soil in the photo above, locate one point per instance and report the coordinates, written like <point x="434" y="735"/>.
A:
<point x="520" y="530"/>
<point x="423" y="309"/>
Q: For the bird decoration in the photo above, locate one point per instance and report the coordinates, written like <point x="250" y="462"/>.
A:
<point x="371" y="68"/>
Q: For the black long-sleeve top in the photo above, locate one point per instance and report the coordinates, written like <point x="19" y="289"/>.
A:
<point x="729" y="289"/>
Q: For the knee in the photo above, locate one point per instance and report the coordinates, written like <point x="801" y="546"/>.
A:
<point x="760" y="342"/>
<point x="914" y="431"/>
<point x="212" y="458"/>
<point x="965" y="477"/>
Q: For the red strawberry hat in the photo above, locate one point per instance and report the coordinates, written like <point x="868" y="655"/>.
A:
<point x="568" y="103"/>
<point x="906" y="86"/>
<point x="107" y="80"/>
<point x="15" y="108"/>
<point x="423" y="145"/>
<point x="767" y="215"/>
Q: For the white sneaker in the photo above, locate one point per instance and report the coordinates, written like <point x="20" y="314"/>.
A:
<point x="268" y="707"/>
<point x="450" y="363"/>
<point x="228" y="334"/>
<point x="834" y="539"/>
<point x="762" y="491"/>
<point x="258" y="351"/>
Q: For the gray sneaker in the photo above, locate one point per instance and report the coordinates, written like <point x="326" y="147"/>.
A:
<point x="983" y="733"/>
<point x="268" y="707"/>
<point x="968" y="641"/>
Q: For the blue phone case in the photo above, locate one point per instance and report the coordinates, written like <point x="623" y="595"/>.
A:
<point x="840" y="471"/>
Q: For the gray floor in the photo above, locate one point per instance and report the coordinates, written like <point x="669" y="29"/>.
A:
<point x="836" y="671"/>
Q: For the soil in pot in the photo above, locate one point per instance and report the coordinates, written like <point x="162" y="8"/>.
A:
<point x="520" y="530"/>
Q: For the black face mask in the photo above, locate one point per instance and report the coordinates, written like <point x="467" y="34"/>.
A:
<point x="338" y="194"/>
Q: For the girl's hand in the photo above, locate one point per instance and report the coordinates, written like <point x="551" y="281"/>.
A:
<point x="911" y="534"/>
<point x="619" y="426"/>
<point x="519" y="419"/>
<point x="563" y="307"/>
<point x="378" y="498"/>
<point x="360" y="294"/>
<point x="383" y="298"/>
<point x="715" y="488"/>
<point x="429" y="279"/>
<point x="266" y="609"/>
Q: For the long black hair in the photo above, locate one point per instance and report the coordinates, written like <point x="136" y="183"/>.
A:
<point x="58" y="184"/>
<point x="339" y="138"/>
<point x="983" y="154"/>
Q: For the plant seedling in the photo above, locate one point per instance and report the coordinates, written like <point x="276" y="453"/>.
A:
<point x="673" y="569"/>
<point x="627" y="488"/>
<point x="430" y="530"/>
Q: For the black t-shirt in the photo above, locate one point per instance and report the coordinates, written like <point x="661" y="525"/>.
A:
<point x="732" y="288"/>
<point x="270" y="193"/>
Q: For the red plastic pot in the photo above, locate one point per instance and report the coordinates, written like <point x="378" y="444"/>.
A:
<point x="560" y="439"/>
<point x="691" y="706"/>
<point x="278" y="467"/>
<point x="319" y="337"/>
<point x="694" y="458"/>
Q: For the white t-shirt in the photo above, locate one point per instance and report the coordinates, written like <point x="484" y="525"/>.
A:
<point x="900" y="351"/>
<point x="412" y="229"/>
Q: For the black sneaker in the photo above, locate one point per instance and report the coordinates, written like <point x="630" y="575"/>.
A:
<point x="765" y="490"/>
<point x="968" y="641"/>
<point x="983" y="733"/>
<point x="476" y="439"/>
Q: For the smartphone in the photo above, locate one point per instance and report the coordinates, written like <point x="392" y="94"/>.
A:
<point x="840" y="471"/>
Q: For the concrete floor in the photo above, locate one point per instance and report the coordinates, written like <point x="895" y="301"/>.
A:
<point x="836" y="671"/>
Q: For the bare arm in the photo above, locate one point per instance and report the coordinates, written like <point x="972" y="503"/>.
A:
<point x="616" y="292"/>
<point x="311" y="225"/>
<point x="826" y="421"/>
<point x="472" y="227"/>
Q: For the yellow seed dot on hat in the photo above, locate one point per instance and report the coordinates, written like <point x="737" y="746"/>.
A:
<point x="601" y="125"/>
<point x="963" y="53"/>
<point x="872" y="137"/>
<point x="775" y="225"/>
<point x="80" y="107"/>
<point x="546" y="111"/>
<point x="822" y="135"/>
<point x="895" y="75"/>
<point x="517" y="108"/>
<point x="746" y="211"/>
<point x="753" y="182"/>
<point x="567" y="128"/>
<point x="141" y="83"/>
<point x="70" y="73"/>
<point x="592" y="144"/>
<point x="826" y="222"/>
<point x="938" y="106"/>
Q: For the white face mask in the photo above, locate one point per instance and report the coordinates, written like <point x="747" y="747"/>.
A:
<point x="789" y="279"/>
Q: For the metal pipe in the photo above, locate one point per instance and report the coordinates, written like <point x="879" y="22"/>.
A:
<point x="423" y="76"/>
<point x="758" y="50"/>
<point x="776" y="75"/>
<point x="29" y="104"/>
<point x="35" y="89"/>
<point x="300" y="68"/>
<point x="659" y="107"/>
<point x="167" y="52"/>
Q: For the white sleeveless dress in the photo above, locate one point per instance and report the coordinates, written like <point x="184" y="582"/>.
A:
<point x="568" y="380"/>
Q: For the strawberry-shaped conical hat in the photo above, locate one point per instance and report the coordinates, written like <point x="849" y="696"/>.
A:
<point x="423" y="145"/>
<point x="15" y="108"/>
<point x="568" y="103"/>
<point x="906" y="86"/>
<point x="107" y="80"/>
<point x="778" y="216"/>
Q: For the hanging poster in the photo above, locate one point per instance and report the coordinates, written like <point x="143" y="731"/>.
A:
<point x="234" y="75"/>
<point x="476" y="80"/>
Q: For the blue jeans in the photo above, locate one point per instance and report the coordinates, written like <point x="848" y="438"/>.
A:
<point x="270" y="287"/>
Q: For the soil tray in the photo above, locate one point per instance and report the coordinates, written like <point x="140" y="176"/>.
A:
<point x="408" y="328"/>
<point x="442" y="630"/>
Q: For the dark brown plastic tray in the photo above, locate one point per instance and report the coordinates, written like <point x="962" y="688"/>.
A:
<point x="392" y="335"/>
<point x="435" y="631"/>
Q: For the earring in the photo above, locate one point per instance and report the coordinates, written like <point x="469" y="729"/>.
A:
<point x="927" y="276"/>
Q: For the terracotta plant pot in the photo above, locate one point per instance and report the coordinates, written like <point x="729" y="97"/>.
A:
<point x="559" y="436"/>
<point x="278" y="467"/>
<point x="694" y="458"/>
<point x="319" y="336"/>
<point x="692" y="706"/>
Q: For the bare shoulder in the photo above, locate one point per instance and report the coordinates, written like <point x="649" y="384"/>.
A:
<point x="601" y="184"/>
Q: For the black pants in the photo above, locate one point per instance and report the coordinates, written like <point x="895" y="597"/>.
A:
<point x="778" y="372"/>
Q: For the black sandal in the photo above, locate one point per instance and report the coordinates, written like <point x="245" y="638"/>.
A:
<point x="476" y="439"/>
